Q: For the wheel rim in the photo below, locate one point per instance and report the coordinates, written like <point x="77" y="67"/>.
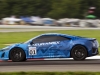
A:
<point x="16" y="54"/>
<point x="79" y="52"/>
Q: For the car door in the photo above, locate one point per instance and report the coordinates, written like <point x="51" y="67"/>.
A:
<point x="39" y="47"/>
<point x="63" y="48"/>
<point x="59" y="47"/>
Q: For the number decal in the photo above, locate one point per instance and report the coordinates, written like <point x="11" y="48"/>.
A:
<point x="32" y="51"/>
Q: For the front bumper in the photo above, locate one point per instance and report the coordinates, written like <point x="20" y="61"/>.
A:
<point x="4" y="55"/>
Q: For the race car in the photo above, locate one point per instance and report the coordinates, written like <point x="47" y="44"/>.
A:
<point x="51" y="45"/>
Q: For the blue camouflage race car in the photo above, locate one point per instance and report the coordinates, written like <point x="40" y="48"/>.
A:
<point x="51" y="45"/>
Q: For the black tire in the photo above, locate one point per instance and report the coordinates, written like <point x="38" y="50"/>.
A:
<point x="79" y="52"/>
<point x="17" y="55"/>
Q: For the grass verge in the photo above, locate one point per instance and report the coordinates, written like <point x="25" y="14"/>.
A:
<point x="51" y="73"/>
<point x="17" y="37"/>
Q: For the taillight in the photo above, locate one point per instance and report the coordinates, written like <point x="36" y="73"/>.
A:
<point x="95" y="43"/>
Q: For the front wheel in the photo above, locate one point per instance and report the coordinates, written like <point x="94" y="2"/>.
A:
<point x="79" y="52"/>
<point x="17" y="55"/>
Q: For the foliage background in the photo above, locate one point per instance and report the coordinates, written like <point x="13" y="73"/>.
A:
<point x="48" y="8"/>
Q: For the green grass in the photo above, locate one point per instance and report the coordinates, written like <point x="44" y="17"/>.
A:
<point x="17" y="37"/>
<point x="50" y="73"/>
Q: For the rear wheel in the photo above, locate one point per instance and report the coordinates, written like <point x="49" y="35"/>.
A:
<point x="17" y="55"/>
<point x="79" y="52"/>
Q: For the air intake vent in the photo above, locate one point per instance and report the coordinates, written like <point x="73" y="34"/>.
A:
<point x="2" y="55"/>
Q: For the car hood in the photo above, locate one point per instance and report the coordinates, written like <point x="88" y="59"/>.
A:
<point x="10" y="46"/>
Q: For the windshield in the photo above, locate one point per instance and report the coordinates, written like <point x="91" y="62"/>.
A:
<point x="28" y="41"/>
<point x="31" y="39"/>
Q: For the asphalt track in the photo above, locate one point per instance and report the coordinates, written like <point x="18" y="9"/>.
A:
<point x="91" y="64"/>
<point x="51" y="65"/>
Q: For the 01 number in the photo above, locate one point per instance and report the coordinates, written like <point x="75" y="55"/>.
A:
<point x="32" y="51"/>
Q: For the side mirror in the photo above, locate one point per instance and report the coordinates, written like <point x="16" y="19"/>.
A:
<point x="31" y="43"/>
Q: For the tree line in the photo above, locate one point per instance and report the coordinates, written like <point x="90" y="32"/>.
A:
<point x="48" y="8"/>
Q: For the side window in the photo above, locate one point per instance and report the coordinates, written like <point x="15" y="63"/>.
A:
<point x="41" y="39"/>
<point x="49" y="38"/>
<point x="60" y="38"/>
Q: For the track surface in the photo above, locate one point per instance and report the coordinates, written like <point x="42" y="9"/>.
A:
<point x="48" y="65"/>
<point x="51" y="65"/>
<point x="23" y="28"/>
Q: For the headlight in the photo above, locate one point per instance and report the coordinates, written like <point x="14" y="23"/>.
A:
<point x="6" y="48"/>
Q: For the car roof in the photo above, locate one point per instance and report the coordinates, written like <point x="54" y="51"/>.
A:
<point x="58" y="34"/>
<point x="65" y="35"/>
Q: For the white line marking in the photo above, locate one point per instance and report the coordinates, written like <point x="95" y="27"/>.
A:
<point x="92" y="57"/>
